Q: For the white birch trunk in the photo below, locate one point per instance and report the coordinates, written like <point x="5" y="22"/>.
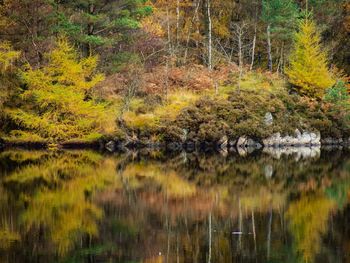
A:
<point x="269" y="47"/>
<point x="210" y="66"/>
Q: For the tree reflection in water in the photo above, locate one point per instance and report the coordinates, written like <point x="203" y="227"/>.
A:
<point x="79" y="206"/>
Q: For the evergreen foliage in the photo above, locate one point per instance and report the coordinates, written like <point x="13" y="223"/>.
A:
<point x="282" y="15"/>
<point x="57" y="103"/>
<point x="308" y="70"/>
<point x="338" y="94"/>
<point x="100" y="23"/>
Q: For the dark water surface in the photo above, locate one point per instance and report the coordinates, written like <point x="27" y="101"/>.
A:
<point x="84" y="206"/>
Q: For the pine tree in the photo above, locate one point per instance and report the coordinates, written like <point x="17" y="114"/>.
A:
<point x="280" y="17"/>
<point x="98" y="23"/>
<point x="56" y="104"/>
<point x="308" y="70"/>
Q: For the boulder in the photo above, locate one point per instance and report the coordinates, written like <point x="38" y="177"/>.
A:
<point x="268" y="170"/>
<point x="268" y="119"/>
<point x="299" y="139"/>
<point x="232" y="142"/>
<point x="273" y="140"/>
<point x="242" y="151"/>
<point x="245" y="142"/>
<point x="242" y="142"/>
<point x="297" y="133"/>
<point x="315" y="138"/>
<point x="110" y="146"/>
<point x="223" y="142"/>
<point x="305" y="139"/>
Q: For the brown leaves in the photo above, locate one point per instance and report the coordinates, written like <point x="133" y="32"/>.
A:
<point x="192" y="77"/>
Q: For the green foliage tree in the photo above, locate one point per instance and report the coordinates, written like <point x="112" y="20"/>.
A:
<point x="338" y="94"/>
<point x="56" y="103"/>
<point x="280" y="17"/>
<point x="308" y="70"/>
<point x="96" y="23"/>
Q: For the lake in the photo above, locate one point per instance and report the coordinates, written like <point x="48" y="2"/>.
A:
<point x="147" y="206"/>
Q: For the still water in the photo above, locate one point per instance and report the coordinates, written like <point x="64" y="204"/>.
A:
<point x="85" y="206"/>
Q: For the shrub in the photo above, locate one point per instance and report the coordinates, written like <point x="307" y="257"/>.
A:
<point x="338" y="93"/>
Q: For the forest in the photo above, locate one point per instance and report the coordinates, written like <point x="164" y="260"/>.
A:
<point x="152" y="72"/>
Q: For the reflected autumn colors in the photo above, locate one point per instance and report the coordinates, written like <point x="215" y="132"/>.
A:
<point x="85" y="206"/>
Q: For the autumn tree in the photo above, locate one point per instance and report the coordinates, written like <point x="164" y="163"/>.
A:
<point x="308" y="222"/>
<point x="7" y="58"/>
<point x="308" y="71"/>
<point x="57" y="103"/>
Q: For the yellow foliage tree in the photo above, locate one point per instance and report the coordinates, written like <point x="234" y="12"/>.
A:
<point x="308" y="70"/>
<point x="59" y="203"/>
<point x="7" y="56"/>
<point x="7" y="86"/>
<point x="308" y="222"/>
<point x="57" y="104"/>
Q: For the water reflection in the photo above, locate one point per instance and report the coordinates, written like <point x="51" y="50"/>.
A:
<point x="83" y="206"/>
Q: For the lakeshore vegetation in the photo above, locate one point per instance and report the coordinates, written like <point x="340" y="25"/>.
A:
<point x="78" y="71"/>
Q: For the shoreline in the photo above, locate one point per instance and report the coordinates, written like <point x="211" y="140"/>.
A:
<point x="241" y="144"/>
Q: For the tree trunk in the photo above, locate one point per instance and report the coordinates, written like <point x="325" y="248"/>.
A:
<point x="209" y="232"/>
<point x="268" y="246"/>
<point x="240" y="225"/>
<point x="280" y="61"/>
<point x="210" y="66"/>
<point x="254" y="232"/>
<point x="253" y="50"/>
<point x="269" y="47"/>
<point x="177" y="21"/>
<point x="240" y="55"/>
<point x="90" y="30"/>
<point x="254" y="39"/>
<point x="239" y="33"/>
<point x="189" y="31"/>
<point x="169" y="49"/>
